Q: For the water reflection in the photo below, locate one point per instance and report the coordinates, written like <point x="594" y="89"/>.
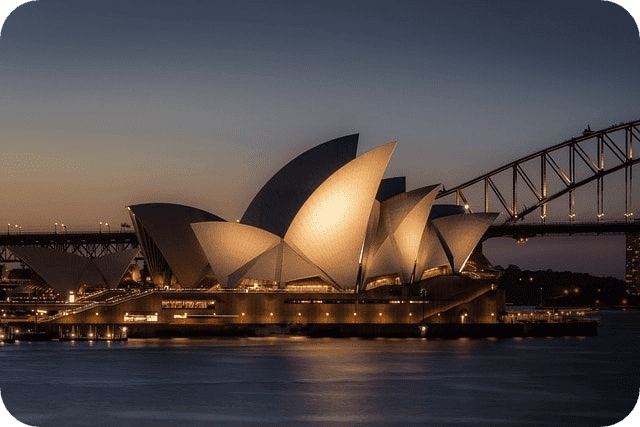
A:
<point x="298" y="380"/>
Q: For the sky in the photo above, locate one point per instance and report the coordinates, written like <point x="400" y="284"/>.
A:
<point x="105" y="104"/>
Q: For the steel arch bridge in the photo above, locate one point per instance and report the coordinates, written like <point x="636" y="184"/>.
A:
<point x="583" y="162"/>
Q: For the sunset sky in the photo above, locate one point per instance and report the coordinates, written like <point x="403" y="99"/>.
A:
<point x="109" y="103"/>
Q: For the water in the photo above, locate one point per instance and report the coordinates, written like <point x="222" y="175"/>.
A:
<point x="301" y="381"/>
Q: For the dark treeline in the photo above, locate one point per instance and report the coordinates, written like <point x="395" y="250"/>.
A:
<point x="564" y="289"/>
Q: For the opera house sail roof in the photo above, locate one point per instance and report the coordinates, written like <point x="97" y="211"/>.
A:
<point x="66" y="272"/>
<point x="277" y="203"/>
<point x="326" y="215"/>
<point x="168" y="242"/>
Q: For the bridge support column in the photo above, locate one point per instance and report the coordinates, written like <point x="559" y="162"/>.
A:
<point x="632" y="271"/>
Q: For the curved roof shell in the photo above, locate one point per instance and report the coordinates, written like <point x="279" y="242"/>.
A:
<point x="66" y="272"/>
<point x="114" y="266"/>
<point x="402" y="223"/>
<point x="432" y="253"/>
<point x="169" y="226"/>
<point x="230" y="246"/>
<point x="277" y="203"/>
<point x="331" y="226"/>
<point x="460" y="234"/>
<point x="236" y="251"/>
<point x="407" y="234"/>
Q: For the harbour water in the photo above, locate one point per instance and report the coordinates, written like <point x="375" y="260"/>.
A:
<point x="592" y="381"/>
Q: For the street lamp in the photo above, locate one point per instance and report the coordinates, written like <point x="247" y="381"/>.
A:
<point x="64" y="227"/>
<point x="108" y="228"/>
<point x="100" y="226"/>
<point x="8" y="225"/>
<point x="55" y="227"/>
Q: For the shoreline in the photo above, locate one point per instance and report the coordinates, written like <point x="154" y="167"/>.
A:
<point x="335" y="330"/>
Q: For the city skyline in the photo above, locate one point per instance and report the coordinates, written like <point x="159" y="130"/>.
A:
<point x="117" y="103"/>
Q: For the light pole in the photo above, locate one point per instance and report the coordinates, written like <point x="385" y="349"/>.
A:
<point x="8" y="225"/>
<point x="64" y="227"/>
<point x="100" y="226"/>
<point x="108" y="228"/>
<point x="55" y="228"/>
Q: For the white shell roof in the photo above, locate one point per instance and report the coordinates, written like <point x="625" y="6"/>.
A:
<point x="403" y="220"/>
<point x="330" y="228"/>
<point x="432" y="253"/>
<point x="168" y="225"/>
<point x="229" y="246"/>
<point x="114" y="266"/>
<point x="65" y="271"/>
<point x="460" y="234"/>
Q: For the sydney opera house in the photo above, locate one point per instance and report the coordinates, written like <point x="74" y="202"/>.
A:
<point x="326" y="242"/>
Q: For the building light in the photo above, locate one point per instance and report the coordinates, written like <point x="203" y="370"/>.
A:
<point x="270" y="314"/>
<point x="355" y="314"/>
<point x="327" y="314"/>
<point x="299" y="314"/>
<point x="243" y="314"/>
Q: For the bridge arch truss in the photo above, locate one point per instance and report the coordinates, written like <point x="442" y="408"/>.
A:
<point x="531" y="174"/>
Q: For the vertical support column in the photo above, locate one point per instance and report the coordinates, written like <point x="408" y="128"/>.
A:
<point x="628" y="175"/>
<point x="600" y="183"/>
<point x="543" y="185"/>
<point x="458" y="197"/>
<point x="486" y="195"/>
<point x="572" y="176"/>
<point x="514" y="200"/>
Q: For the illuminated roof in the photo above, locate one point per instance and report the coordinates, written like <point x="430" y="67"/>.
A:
<point x="402" y="221"/>
<point x="460" y="234"/>
<point x="432" y="253"/>
<point x="330" y="227"/>
<point x="65" y="272"/>
<point x="327" y="214"/>
<point x="168" y="226"/>
<point x="114" y="266"/>
<point x="277" y="203"/>
<point x="230" y="246"/>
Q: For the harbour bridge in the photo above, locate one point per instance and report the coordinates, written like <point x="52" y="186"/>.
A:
<point x="553" y="178"/>
<point x="571" y="173"/>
